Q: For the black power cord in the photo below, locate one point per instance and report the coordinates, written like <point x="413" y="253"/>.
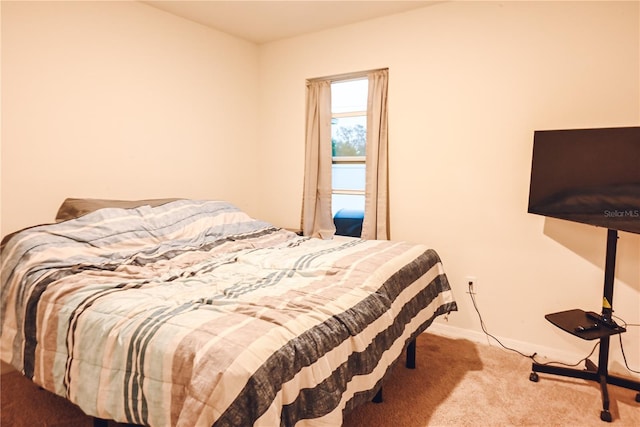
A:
<point x="533" y="356"/>
<point x="486" y="332"/>
<point x="624" y="356"/>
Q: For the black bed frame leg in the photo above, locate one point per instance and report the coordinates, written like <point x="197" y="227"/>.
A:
<point x="378" y="397"/>
<point x="411" y="355"/>
<point x="411" y="364"/>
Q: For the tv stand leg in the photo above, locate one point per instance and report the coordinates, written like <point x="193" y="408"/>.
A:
<point x="605" y="415"/>
<point x="597" y="373"/>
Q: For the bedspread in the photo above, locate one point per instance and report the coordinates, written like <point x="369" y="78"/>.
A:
<point x="193" y="313"/>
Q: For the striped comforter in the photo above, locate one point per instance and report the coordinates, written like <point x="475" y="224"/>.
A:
<point x="194" y="314"/>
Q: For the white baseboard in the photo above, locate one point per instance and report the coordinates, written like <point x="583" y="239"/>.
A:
<point x="542" y="353"/>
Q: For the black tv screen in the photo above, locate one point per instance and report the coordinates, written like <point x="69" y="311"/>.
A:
<point x="590" y="176"/>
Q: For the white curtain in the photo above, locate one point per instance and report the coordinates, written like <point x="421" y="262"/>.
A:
<point x="376" y="208"/>
<point x="317" y="220"/>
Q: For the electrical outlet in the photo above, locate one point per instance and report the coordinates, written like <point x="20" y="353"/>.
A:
<point x="471" y="282"/>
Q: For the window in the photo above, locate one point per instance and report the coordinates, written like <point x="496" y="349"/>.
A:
<point x="348" y="143"/>
<point x="351" y="112"/>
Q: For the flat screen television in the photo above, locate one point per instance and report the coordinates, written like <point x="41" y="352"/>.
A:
<point x="590" y="176"/>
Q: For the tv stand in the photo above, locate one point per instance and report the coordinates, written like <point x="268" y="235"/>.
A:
<point x="581" y="324"/>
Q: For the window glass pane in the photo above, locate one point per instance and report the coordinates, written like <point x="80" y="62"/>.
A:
<point x="348" y="139"/>
<point x="346" y="201"/>
<point x="349" y="136"/>
<point x="350" y="95"/>
<point x="350" y="176"/>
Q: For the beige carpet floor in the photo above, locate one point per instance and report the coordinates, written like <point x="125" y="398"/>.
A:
<point x="456" y="383"/>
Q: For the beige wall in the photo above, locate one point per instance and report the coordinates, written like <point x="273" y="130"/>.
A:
<point x="120" y="100"/>
<point x="469" y="83"/>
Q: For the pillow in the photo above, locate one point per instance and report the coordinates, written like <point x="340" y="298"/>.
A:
<point x="73" y="208"/>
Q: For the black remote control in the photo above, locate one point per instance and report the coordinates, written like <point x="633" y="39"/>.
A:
<point x="598" y="318"/>
<point x="586" y="328"/>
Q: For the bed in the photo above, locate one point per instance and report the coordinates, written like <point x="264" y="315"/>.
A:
<point x="192" y="313"/>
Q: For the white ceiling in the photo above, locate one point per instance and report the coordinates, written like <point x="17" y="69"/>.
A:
<point x="268" y="20"/>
